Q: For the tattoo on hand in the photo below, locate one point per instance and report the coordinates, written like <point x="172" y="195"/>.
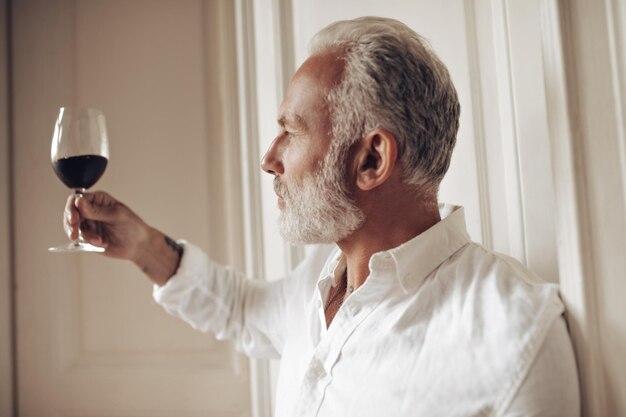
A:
<point x="174" y="246"/>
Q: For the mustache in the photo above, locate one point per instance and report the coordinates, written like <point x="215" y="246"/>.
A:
<point x="280" y="189"/>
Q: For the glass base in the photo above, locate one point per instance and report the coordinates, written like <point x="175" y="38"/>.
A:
<point x="76" y="247"/>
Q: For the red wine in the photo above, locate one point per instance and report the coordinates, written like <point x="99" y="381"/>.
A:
<point x="80" y="171"/>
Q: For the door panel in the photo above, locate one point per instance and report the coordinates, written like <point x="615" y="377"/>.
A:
<point x="90" y="339"/>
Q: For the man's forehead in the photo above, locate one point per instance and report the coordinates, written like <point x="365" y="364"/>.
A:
<point x="326" y="67"/>
<point x="305" y="100"/>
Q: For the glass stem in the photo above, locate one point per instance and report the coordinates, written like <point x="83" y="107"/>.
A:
<point x="79" y="192"/>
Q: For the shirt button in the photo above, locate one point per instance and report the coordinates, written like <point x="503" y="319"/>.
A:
<point x="316" y="368"/>
<point x="319" y="303"/>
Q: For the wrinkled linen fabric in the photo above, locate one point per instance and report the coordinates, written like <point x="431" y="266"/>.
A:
<point x="441" y="327"/>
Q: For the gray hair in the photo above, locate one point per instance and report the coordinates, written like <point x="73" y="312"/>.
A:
<point x="392" y="79"/>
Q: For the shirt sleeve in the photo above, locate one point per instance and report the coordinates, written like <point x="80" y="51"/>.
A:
<point x="214" y="298"/>
<point x="551" y="387"/>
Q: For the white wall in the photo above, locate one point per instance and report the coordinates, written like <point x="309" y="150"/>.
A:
<point x="501" y="167"/>
<point x="541" y="159"/>
<point x="585" y="79"/>
<point x="500" y="170"/>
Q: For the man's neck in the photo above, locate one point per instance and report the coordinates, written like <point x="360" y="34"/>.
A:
<point x="380" y="232"/>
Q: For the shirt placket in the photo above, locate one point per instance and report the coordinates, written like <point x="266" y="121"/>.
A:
<point x="319" y="371"/>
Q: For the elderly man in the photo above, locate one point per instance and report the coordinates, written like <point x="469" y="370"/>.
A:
<point x="406" y="316"/>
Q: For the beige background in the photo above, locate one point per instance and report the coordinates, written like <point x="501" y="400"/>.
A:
<point x="90" y="340"/>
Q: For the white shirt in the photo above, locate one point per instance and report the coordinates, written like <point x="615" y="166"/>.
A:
<point x="441" y="327"/>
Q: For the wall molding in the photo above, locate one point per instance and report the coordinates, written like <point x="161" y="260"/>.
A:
<point x="251" y="185"/>
<point x="479" y="129"/>
<point x="573" y="221"/>
<point x="617" y="52"/>
<point x="283" y="39"/>
<point x="509" y="131"/>
<point x="8" y="392"/>
<point x="285" y="65"/>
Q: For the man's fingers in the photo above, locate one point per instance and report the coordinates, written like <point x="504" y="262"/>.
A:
<point x="88" y="213"/>
<point x="70" y="214"/>
<point x="93" y="238"/>
<point x="95" y="208"/>
<point x="88" y="230"/>
<point x="71" y="231"/>
<point x="71" y="219"/>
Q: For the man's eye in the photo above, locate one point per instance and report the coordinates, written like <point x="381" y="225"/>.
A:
<point x="289" y="134"/>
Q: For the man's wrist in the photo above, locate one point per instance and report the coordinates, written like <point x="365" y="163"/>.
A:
<point x="158" y="256"/>
<point x="175" y="246"/>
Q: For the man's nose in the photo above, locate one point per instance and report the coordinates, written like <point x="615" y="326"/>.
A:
<point x="271" y="162"/>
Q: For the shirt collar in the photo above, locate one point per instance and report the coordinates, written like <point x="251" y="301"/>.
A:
<point x="335" y="267"/>
<point x="415" y="259"/>
<point x="420" y="256"/>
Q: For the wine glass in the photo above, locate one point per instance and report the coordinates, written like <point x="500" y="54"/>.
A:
<point x="79" y="153"/>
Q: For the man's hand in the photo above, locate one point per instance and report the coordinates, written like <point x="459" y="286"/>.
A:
<point x="105" y="222"/>
<point x="108" y="223"/>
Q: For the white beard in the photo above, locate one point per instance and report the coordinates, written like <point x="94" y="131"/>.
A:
<point x="318" y="209"/>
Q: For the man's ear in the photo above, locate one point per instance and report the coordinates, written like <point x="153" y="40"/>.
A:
<point x="375" y="159"/>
